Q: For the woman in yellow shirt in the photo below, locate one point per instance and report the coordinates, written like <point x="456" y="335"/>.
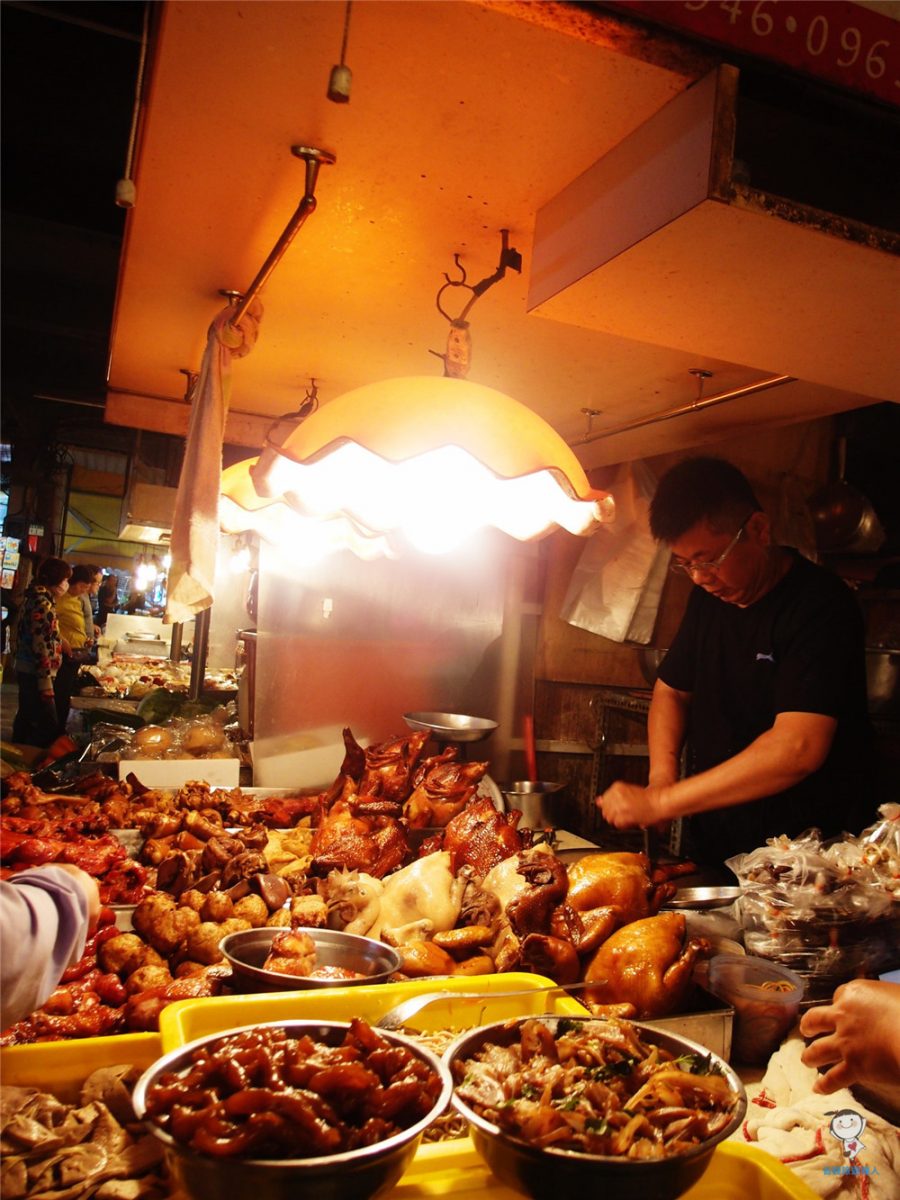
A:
<point x="70" y="614"/>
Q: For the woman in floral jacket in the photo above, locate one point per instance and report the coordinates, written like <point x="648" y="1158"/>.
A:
<point x="38" y="655"/>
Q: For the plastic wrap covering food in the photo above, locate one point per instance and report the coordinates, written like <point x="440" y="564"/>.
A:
<point x="200" y="737"/>
<point x="826" y="910"/>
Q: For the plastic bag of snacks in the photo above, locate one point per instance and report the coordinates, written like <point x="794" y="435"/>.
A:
<point x="821" y="909"/>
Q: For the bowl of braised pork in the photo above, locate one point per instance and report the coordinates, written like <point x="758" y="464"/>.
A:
<point x="587" y="1105"/>
<point x="328" y="1110"/>
<point x="271" y="959"/>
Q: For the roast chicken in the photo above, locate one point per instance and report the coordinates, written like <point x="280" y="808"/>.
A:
<point x="611" y="890"/>
<point x="389" y="766"/>
<point x="644" y="968"/>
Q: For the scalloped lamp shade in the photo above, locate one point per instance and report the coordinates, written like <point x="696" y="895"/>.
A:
<point x="417" y="461"/>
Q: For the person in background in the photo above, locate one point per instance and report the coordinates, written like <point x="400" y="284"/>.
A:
<point x="90" y="605"/>
<point x="764" y="683"/>
<point x="75" y="638"/>
<point x="857" y="1036"/>
<point x="107" y="599"/>
<point x="46" y="914"/>
<point x="38" y="655"/>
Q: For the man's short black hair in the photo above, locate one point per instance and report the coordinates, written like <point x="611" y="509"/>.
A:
<point x="82" y="573"/>
<point x="700" y="489"/>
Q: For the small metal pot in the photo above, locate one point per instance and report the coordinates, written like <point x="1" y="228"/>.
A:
<point x="537" y="800"/>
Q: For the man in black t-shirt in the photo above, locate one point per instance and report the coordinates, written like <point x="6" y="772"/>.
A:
<point x="764" y="684"/>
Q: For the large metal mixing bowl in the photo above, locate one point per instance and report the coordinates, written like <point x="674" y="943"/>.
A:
<point x="353" y="1175"/>
<point x="547" y="1173"/>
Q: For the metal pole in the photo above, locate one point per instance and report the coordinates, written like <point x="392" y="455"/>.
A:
<point x="312" y="157"/>
<point x="175" y="644"/>
<point x="685" y="409"/>
<point x="201" y="649"/>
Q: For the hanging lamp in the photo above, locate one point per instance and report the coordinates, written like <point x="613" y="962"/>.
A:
<point x="415" y="462"/>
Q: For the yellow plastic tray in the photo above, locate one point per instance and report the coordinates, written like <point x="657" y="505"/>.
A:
<point x="452" y="1168"/>
<point x="186" y="1020"/>
<point x="736" y="1172"/>
<point x="62" y="1067"/>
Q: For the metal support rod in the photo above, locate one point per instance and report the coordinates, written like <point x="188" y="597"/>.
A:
<point x="175" y="644"/>
<point x="313" y="158"/>
<point x="685" y="409"/>
<point x="201" y="650"/>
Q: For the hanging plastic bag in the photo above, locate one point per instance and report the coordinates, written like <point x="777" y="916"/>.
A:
<point x="617" y="584"/>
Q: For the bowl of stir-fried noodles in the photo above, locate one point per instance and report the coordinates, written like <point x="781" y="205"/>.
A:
<point x="556" y="1102"/>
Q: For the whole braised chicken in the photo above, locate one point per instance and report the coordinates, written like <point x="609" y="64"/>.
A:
<point x="644" y="968"/>
<point x="529" y="888"/>
<point x="611" y="890"/>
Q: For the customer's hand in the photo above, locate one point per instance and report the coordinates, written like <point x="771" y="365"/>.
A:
<point x="857" y="1035"/>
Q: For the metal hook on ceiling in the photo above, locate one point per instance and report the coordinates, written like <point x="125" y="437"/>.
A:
<point x="510" y="259"/>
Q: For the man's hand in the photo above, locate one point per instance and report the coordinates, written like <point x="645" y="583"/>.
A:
<point x="628" y="805"/>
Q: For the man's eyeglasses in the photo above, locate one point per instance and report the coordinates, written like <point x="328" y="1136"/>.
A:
<point x="708" y="568"/>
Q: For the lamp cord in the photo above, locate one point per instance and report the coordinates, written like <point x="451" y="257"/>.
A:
<point x="346" y="31"/>
<point x="125" y="188"/>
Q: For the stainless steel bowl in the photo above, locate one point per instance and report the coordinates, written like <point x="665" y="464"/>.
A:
<point x="546" y="1173"/>
<point x="352" y="1175"/>
<point x="248" y="949"/>
<point x="451" y="727"/>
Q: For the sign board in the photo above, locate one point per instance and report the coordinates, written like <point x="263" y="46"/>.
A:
<point x="836" y="41"/>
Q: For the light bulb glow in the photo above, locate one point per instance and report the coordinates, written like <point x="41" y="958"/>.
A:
<point x="429" y="463"/>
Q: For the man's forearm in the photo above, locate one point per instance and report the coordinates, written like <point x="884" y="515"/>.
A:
<point x="666" y="726"/>
<point x="779" y="758"/>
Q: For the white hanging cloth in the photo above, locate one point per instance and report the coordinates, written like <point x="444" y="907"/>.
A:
<point x="195" y="526"/>
<point x="617" y="583"/>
